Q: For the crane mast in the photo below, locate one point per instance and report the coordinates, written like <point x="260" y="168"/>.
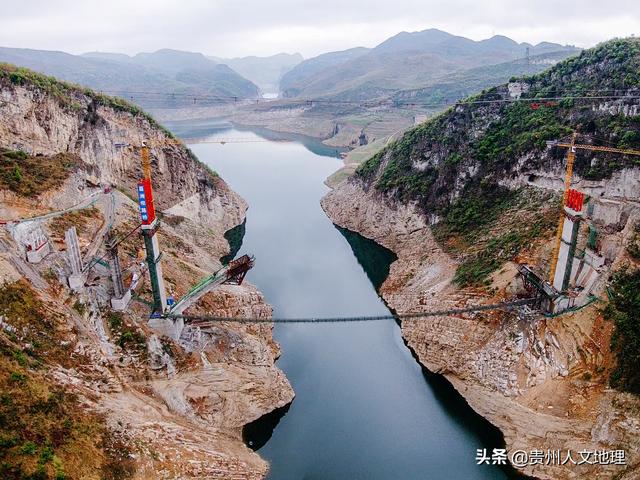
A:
<point x="572" y="147"/>
<point x="571" y="157"/>
<point x="145" y="156"/>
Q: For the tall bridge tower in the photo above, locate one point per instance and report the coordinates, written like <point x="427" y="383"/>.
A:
<point x="150" y="227"/>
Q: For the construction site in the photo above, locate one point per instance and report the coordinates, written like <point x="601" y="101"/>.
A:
<point x="96" y="269"/>
<point x="577" y="276"/>
<point x="579" y="266"/>
<point x="465" y="273"/>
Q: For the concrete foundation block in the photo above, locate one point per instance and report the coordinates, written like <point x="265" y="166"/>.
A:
<point x="562" y="303"/>
<point x="593" y="259"/>
<point x="121" y="304"/>
<point x="76" y="281"/>
<point x="36" y="256"/>
<point x="170" y="327"/>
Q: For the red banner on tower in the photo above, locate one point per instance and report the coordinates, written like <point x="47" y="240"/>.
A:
<point x="575" y="200"/>
<point x="145" y="202"/>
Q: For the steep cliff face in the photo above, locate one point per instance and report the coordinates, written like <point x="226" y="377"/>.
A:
<point x="106" y="134"/>
<point x="147" y="406"/>
<point x="543" y="382"/>
<point x="466" y="196"/>
<point x="494" y="139"/>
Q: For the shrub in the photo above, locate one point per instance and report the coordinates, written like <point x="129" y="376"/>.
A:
<point x="80" y="307"/>
<point x="18" y="377"/>
<point x="29" y="448"/>
<point x="624" y="310"/>
<point x="633" y="249"/>
<point x="30" y="176"/>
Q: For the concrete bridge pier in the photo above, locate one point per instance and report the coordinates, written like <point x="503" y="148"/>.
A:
<point x="76" y="279"/>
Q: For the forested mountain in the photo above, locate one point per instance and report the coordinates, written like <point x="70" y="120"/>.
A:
<point x="466" y="166"/>
<point x="295" y="81"/>
<point x="405" y="61"/>
<point x="138" y="77"/>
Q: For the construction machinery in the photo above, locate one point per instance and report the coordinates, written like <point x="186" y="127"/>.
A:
<point x="574" y="276"/>
<point x="150" y="226"/>
<point x="572" y="146"/>
<point x="233" y="273"/>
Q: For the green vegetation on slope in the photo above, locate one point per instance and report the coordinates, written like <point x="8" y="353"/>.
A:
<point x="633" y="248"/>
<point x="453" y="164"/>
<point x="578" y="74"/>
<point x="37" y="325"/>
<point x="69" y="94"/>
<point x="516" y="128"/>
<point x="127" y="336"/>
<point x="489" y="226"/>
<point x="520" y="130"/>
<point x="30" y="176"/>
<point x="624" y="310"/>
<point x="13" y="175"/>
<point x="463" y="83"/>
<point x="45" y="433"/>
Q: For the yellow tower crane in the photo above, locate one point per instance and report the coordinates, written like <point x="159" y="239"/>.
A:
<point x="572" y="147"/>
<point x="145" y="152"/>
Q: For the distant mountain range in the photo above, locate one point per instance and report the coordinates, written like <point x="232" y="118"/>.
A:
<point x="294" y="82"/>
<point x="457" y="85"/>
<point x="409" y="61"/>
<point x="265" y="72"/>
<point x="430" y="65"/>
<point x="145" y="78"/>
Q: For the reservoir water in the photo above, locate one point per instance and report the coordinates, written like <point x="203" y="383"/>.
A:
<point x="364" y="409"/>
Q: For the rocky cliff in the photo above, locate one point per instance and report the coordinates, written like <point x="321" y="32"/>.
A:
<point x="130" y="403"/>
<point x="466" y="196"/>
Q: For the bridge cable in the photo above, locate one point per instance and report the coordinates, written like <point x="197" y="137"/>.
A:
<point x="199" y="319"/>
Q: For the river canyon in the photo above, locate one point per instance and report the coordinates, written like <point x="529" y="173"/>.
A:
<point x="364" y="408"/>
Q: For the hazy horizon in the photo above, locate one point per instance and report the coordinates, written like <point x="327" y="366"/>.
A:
<point x="208" y="54"/>
<point x="226" y="29"/>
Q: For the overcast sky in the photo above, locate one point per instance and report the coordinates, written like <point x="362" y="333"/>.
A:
<point x="231" y="28"/>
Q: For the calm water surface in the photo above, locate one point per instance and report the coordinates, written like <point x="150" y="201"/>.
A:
<point x="364" y="409"/>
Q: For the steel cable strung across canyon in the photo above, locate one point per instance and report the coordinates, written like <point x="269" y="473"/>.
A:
<point x="201" y="320"/>
<point x="193" y="99"/>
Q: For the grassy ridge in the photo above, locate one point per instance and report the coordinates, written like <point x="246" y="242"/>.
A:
<point x="453" y="164"/>
<point x="446" y="142"/>
<point x="71" y="95"/>
<point x="492" y="227"/>
<point x="30" y="176"/>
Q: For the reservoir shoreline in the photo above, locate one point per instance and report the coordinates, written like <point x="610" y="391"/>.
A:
<point x="363" y="407"/>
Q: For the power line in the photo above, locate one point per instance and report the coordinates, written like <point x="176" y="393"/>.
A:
<point x="200" y="320"/>
<point x="583" y="93"/>
<point x="630" y="94"/>
<point x="237" y="140"/>
<point x="386" y="102"/>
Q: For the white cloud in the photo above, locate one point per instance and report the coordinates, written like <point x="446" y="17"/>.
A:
<point x="236" y="28"/>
